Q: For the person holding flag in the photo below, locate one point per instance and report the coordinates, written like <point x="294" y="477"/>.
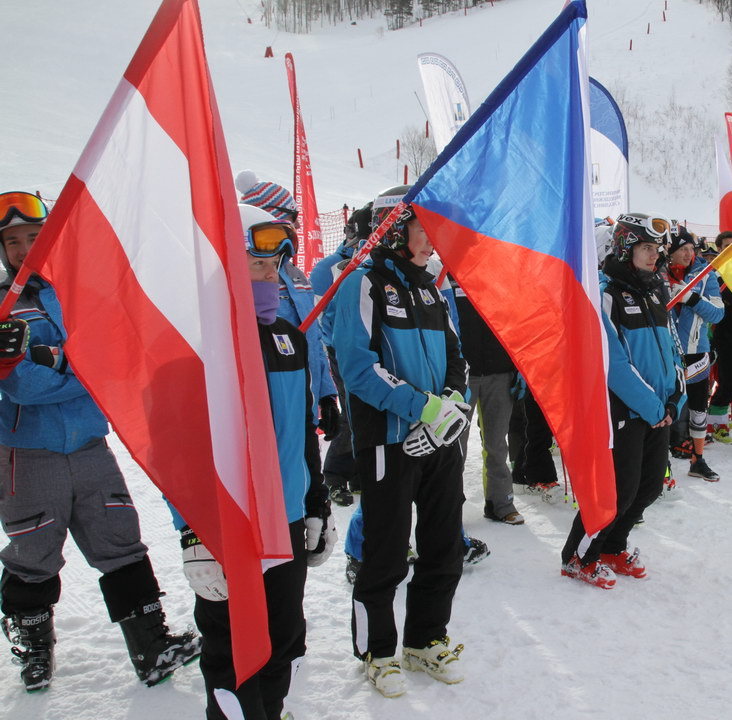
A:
<point x="296" y="301"/>
<point x="646" y="386"/>
<point x="57" y="474"/>
<point x="694" y="312"/>
<point x="405" y="380"/>
<point x="312" y="530"/>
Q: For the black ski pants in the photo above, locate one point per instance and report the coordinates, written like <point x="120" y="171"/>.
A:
<point x="530" y="446"/>
<point x="640" y="457"/>
<point x="390" y="482"/>
<point x="261" y="696"/>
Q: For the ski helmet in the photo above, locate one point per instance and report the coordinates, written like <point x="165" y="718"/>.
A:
<point x="358" y="226"/>
<point x="603" y="238"/>
<point x="633" y="228"/>
<point x="19" y="208"/>
<point x="396" y="236"/>
<point x="265" y="236"/>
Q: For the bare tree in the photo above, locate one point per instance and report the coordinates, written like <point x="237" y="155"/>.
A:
<point x="419" y="151"/>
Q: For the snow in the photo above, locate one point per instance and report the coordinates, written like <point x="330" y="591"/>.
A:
<point x="536" y="645"/>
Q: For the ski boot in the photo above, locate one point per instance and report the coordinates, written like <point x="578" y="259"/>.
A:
<point x="32" y="635"/>
<point x="155" y="653"/>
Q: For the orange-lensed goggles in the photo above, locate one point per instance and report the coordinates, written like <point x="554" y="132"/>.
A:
<point x="25" y="205"/>
<point x="272" y="238"/>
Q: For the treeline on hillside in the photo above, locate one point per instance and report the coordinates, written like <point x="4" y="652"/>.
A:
<point x="300" y="15"/>
<point x="724" y="7"/>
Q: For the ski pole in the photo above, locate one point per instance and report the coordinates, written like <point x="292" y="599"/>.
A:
<point x="356" y="260"/>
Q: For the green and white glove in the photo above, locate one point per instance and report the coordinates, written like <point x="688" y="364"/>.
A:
<point x="443" y="421"/>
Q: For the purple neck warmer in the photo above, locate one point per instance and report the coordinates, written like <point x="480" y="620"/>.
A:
<point x="266" y="300"/>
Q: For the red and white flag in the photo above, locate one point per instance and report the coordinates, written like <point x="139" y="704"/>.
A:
<point x="145" y="250"/>
<point x="310" y="248"/>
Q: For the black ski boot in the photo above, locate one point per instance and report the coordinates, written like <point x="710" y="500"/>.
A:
<point x="155" y="653"/>
<point x="32" y="636"/>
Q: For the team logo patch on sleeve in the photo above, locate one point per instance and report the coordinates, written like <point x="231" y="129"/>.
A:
<point x="392" y="296"/>
<point x="283" y="344"/>
<point x="426" y="296"/>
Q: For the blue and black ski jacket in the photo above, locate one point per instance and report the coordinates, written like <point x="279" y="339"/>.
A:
<point x="645" y="376"/>
<point x="394" y="341"/>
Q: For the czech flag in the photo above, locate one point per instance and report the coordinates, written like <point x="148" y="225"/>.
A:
<point x="145" y="250"/>
<point x="508" y="207"/>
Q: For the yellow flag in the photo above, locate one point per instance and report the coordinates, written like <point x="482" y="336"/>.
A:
<point x="723" y="265"/>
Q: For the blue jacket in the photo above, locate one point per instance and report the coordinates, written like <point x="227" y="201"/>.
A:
<point x="322" y="277"/>
<point x="703" y="307"/>
<point x="285" y="359"/>
<point x="296" y="302"/>
<point x="394" y="342"/>
<point x="42" y="408"/>
<point x="645" y="374"/>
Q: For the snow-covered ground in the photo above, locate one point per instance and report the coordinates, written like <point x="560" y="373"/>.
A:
<point x="537" y="645"/>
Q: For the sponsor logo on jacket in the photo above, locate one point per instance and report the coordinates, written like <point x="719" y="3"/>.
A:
<point x="283" y="344"/>
<point x="392" y="296"/>
<point x="426" y="296"/>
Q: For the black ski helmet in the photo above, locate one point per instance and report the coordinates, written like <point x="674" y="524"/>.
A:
<point x="396" y="236"/>
<point x="358" y="226"/>
<point x="633" y="228"/>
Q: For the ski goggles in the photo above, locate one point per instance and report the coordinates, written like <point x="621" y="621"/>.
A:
<point x="272" y="238"/>
<point x="24" y="205"/>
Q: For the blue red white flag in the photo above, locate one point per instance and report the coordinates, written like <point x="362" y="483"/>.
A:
<point x="146" y="252"/>
<point x="508" y="207"/>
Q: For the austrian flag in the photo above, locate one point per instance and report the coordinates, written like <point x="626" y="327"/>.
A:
<point x="146" y="253"/>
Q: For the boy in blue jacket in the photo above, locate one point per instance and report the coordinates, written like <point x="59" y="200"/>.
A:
<point x="405" y="380"/>
<point x="58" y="475"/>
<point x="312" y="531"/>
<point x="646" y="386"/>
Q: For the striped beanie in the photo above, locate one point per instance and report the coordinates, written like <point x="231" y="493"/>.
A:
<point x="266" y="195"/>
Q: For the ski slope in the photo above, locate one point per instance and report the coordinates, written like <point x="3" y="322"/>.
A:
<point x="537" y="645"/>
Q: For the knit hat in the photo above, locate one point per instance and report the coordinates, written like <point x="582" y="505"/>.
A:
<point x="679" y="236"/>
<point x="269" y="196"/>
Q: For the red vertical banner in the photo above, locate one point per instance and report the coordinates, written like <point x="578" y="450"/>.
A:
<point x="728" y="122"/>
<point x="310" y="245"/>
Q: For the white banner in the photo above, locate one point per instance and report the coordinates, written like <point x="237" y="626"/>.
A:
<point x="609" y="151"/>
<point x="447" y="98"/>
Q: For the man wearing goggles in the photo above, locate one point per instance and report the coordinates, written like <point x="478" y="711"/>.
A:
<point x="646" y="389"/>
<point x="58" y="475"/>
<point x="312" y="530"/>
<point x="296" y="303"/>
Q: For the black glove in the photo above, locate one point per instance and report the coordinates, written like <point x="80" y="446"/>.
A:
<point x="671" y="411"/>
<point x="49" y="356"/>
<point x="13" y="338"/>
<point x="330" y="416"/>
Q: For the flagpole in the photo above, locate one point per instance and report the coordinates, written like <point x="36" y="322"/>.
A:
<point x="14" y="292"/>
<point x="356" y="260"/>
<point x="726" y="254"/>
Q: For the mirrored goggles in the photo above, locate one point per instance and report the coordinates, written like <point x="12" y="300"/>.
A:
<point x="272" y="238"/>
<point x="25" y="205"/>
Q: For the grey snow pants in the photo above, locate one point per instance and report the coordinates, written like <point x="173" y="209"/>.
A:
<point x="51" y="493"/>
<point x="491" y="395"/>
